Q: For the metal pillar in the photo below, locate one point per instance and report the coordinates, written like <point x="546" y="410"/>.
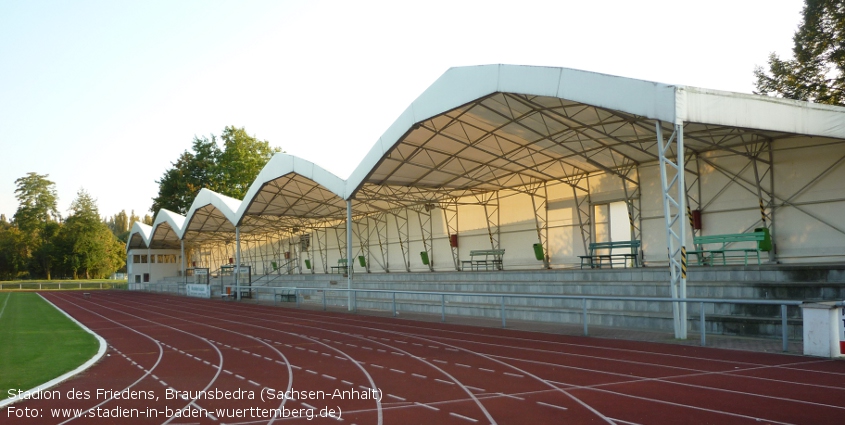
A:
<point x="380" y="228"/>
<point x="539" y="203"/>
<point x="322" y="246"/>
<point x="364" y="240"/>
<point x="424" y="215"/>
<point x="674" y="208"/>
<point x="450" y="214"/>
<point x="633" y="203"/>
<point x="349" y="252"/>
<point x="402" y="230"/>
<point x="237" y="262"/>
<point x="182" y="255"/>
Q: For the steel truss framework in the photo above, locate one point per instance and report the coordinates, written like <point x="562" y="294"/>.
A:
<point x="501" y="141"/>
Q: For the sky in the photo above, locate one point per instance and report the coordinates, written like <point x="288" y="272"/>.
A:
<point x="103" y="96"/>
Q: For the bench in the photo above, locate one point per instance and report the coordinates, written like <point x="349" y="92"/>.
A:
<point x="86" y="295"/>
<point x="596" y="259"/>
<point x="705" y="256"/>
<point x="476" y="261"/>
<point x="286" y="295"/>
<point x="342" y="267"/>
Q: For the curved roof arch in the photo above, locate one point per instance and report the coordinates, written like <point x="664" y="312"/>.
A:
<point x="139" y="236"/>
<point x="293" y="187"/>
<point x="211" y="216"/>
<point x="492" y="127"/>
<point x="167" y="230"/>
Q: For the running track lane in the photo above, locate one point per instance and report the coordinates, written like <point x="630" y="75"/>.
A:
<point x="426" y="372"/>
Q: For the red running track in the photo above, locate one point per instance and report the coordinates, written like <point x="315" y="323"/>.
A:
<point x="217" y="354"/>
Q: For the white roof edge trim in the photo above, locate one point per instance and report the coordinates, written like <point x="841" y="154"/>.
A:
<point x="461" y="85"/>
<point x="707" y="106"/>
<point x="228" y="206"/>
<point x="175" y="220"/>
<point x="282" y="164"/>
<point x="141" y="229"/>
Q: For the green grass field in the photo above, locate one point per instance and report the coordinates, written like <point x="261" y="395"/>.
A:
<point x="64" y="285"/>
<point x="37" y="342"/>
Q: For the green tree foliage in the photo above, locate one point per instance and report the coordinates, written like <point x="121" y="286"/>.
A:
<point x="37" y="202"/>
<point x="13" y="252"/>
<point x="37" y="219"/>
<point x="88" y="245"/>
<point x="229" y="171"/>
<point x="817" y="71"/>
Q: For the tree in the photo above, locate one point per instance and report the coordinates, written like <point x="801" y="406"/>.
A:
<point x="89" y="245"/>
<point x="242" y="159"/>
<point x="229" y="171"/>
<point x="37" y="201"/>
<point x="37" y="218"/>
<point x="817" y="71"/>
<point x="13" y="257"/>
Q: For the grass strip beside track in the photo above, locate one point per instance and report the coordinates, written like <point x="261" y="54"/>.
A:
<point x="38" y="342"/>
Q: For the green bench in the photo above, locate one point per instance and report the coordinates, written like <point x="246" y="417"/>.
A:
<point x="709" y="256"/>
<point x="484" y="257"/>
<point x="342" y="266"/>
<point x="596" y="259"/>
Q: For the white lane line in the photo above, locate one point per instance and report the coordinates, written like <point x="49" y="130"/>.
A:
<point x="267" y="358"/>
<point x="239" y="376"/>
<point x="440" y="361"/>
<point x="396" y="397"/>
<point x="433" y="346"/>
<point x="329" y="377"/>
<point x="481" y="390"/>
<point x="514" y="374"/>
<point x="462" y="365"/>
<point x="229" y="372"/>
<point x="511" y="396"/>
<point x="253" y="383"/>
<point x="376" y="365"/>
<point x="309" y="406"/>
<point x="347" y="382"/>
<point x="426" y="406"/>
<point x="311" y="372"/>
<point x="397" y="370"/>
<point x="486" y="370"/>
<point x="419" y="376"/>
<point x="551" y="405"/>
<point x="463" y="417"/>
<point x="443" y="381"/>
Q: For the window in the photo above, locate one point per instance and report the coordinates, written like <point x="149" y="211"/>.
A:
<point x="136" y="259"/>
<point x="137" y="278"/>
<point x="146" y="277"/>
<point x="610" y="222"/>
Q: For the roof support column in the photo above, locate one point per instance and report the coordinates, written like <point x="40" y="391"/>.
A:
<point x="323" y="247"/>
<point x="632" y="199"/>
<point x="450" y="213"/>
<point x="364" y="240"/>
<point x="380" y="229"/>
<point x="674" y="208"/>
<point x="402" y="230"/>
<point x="349" y="262"/>
<point x="539" y="203"/>
<point x="182" y="255"/>
<point x="237" y="262"/>
<point x="490" y="201"/>
<point x="424" y="215"/>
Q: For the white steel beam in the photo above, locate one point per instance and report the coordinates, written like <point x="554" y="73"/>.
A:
<point x="672" y="172"/>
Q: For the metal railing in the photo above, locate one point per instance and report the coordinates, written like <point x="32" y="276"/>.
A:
<point x="302" y="295"/>
<point x="501" y="297"/>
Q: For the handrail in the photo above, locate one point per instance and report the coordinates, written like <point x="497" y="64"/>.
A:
<point x="503" y="296"/>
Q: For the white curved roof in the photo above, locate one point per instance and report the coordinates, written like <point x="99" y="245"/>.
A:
<point x="139" y="236"/>
<point x="492" y="127"/>
<point x="294" y="188"/>
<point x="211" y="216"/>
<point x="507" y="126"/>
<point x="167" y="230"/>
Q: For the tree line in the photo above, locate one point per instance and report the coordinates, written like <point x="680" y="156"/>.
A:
<point x="40" y="243"/>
